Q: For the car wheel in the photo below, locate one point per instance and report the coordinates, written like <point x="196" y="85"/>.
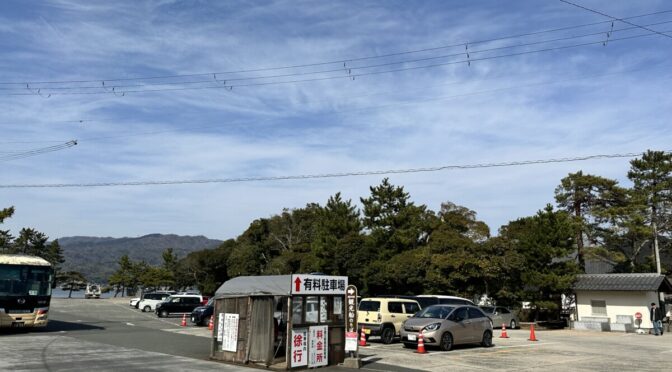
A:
<point x="446" y="342"/>
<point x="387" y="336"/>
<point x="487" y="339"/>
<point x="513" y="324"/>
<point x="147" y="309"/>
<point x="408" y="346"/>
<point x="163" y="314"/>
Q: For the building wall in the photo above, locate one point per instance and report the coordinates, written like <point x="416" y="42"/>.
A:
<point x="618" y="303"/>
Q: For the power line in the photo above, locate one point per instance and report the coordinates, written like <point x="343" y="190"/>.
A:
<point x="39" y="151"/>
<point x="357" y="109"/>
<point x="112" y="89"/>
<point x="346" y="76"/>
<point x="340" y="61"/>
<point x="327" y="175"/>
<point x="615" y="19"/>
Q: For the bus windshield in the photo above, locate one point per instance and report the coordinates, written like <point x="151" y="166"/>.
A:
<point x="22" y="280"/>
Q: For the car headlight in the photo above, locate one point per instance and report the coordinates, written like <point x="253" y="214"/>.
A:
<point x="432" y="327"/>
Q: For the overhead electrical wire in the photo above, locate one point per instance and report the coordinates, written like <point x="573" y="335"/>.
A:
<point x="358" y="109"/>
<point x="326" y="175"/>
<point x="225" y="84"/>
<point x="347" y="76"/>
<point x="616" y="19"/>
<point x="339" y="61"/>
<point x="32" y="89"/>
<point x="38" y="151"/>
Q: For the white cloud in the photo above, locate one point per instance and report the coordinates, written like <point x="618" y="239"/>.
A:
<point x="601" y="100"/>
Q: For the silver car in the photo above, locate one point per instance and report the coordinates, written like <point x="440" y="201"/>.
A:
<point x="448" y="325"/>
<point x="501" y="316"/>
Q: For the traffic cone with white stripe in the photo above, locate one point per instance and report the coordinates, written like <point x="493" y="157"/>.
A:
<point x="211" y="324"/>
<point x="504" y="335"/>
<point x="362" y="339"/>
<point x="421" y="344"/>
<point x="184" y="321"/>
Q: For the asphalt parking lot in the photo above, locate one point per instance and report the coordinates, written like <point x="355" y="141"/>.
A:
<point x="110" y="335"/>
<point x="556" y="350"/>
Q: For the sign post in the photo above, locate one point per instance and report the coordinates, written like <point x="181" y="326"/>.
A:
<point x="353" y="360"/>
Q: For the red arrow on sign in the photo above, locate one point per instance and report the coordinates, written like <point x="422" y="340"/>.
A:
<point x="297" y="282"/>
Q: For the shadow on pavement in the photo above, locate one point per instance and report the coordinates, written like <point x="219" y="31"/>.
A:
<point x="59" y="325"/>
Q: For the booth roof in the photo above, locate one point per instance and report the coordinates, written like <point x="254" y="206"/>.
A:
<point x="242" y="286"/>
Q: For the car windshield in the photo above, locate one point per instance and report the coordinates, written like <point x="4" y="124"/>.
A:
<point x="434" y="311"/>
<point x="488" y="309"/>
<point x="211" y="302"/>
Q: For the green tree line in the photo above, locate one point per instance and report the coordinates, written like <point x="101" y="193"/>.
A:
<point x="394" y="246"/>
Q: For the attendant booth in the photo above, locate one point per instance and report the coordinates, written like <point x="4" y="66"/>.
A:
<point x="280" y="321"/>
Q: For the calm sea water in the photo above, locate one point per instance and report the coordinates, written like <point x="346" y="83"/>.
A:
<point x="59" y="293"/>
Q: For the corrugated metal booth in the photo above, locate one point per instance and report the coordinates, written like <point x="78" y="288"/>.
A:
<point x="280" y="321"/>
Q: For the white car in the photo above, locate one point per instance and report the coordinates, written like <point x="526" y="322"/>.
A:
<point x="134" y="302"/>
<point x="149" y="300"/>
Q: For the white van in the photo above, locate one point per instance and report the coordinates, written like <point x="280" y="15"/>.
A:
<point x="149" y="300"/>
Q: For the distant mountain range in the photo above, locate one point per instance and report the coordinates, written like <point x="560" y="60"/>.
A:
<point x="97" y="257"/>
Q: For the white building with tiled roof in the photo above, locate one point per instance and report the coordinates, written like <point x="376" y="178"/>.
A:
<point x="610" y="302"/>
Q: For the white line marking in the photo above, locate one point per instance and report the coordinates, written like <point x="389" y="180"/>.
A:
<point x="147" y="315"/>
<point x="666" y="351"/>
<point x="130" y="324"/>
<point x="452" y="352"/>
<point x="369" y="358"/>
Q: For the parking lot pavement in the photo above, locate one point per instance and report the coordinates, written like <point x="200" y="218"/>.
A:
<point x="563" y="350"/>
<point x="110" y="335"/>
<point x="38" y="352"/>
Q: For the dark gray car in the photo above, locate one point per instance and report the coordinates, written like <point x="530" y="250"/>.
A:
<point x="448" y="325"/>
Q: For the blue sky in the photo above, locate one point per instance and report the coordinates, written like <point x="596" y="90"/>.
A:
<point x="574" y="101"/>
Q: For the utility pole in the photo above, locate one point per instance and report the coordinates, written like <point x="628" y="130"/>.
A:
<point x="655" y="247"/>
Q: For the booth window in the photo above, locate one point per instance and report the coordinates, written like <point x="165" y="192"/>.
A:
<point x="598" y="307"/>
<point x="317" y="309"/>
<point x="297" y="310"/>
<point x="338" y="309"/>
<point x="312" y="309"/>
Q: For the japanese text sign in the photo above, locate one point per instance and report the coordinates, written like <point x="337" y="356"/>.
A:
<point x="318" y="284"/>
<point x="318" y="353"/>
<point x="299" y="347"/>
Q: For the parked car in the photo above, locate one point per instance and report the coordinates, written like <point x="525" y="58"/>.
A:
<point x="92" y="291"/>
<point x="381" y="316"/>
<point x="178" y="304"/>
<point x="134" y="302"/>
<point x="501" y="315"/>
<point x="442" y="299"/>
<point x="427" y="300"/>
<point x="149" y="300"/>
<point x="201" y="315"/>
<point x="448" y="325"/>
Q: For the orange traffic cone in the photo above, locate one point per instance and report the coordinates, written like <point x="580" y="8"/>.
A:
<point x="362" y="339"/>
<point x="421" y="344"/>
<point x="211" y="324"/>
<point x="184" y="320"/>
<point x="504" y="335"/>
<point x="532" y="335"/>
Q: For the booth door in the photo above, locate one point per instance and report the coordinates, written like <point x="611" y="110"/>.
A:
<point x="262" y="330"/>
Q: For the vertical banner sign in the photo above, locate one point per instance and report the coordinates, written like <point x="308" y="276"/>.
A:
<point x="319" y="346"/>
<point x="220" y="327"/>
<point x="230" y="336"/>
<point x="299" y="347"/>
<point x="351" y="318"/>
